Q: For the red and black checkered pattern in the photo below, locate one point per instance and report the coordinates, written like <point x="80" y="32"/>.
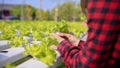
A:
<point x="102" y="49"/>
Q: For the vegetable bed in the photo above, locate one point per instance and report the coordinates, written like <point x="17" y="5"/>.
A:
<point x="15" y="31"/>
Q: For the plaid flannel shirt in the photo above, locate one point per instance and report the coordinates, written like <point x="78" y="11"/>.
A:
<point x="102" y="48"/>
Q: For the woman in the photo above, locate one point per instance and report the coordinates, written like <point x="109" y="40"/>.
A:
<point x="102" y="47"/>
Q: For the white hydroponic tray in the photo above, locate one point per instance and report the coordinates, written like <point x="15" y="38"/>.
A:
<point x="4" y="45"/>
<point x="32" y="63"/>
<point x="11" y="56"/>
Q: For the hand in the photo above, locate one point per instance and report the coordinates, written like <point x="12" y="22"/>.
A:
<point x="74" y="40"/>
<point x="59" y="39"/>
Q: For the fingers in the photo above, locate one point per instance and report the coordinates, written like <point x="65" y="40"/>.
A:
<point x="53" y="47"/>
<point x="61" y="34"/>
<point x="64" y="35"/>
<point x="56" y="36"/>
<point x="74" y="40"/>
<point x="59" y="39"/>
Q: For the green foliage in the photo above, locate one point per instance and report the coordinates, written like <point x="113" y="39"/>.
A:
<point x="33" y="50"/>
<point x="61" y="65"/>
<point x="43" y="15"/>
<point x="66" y="11"/>
<point x="48" y="54"/>
<point x="7" y="34"/>
<point x="15" y="11"/>
<point x="9" y="66"/>
<point x="17" y="41"/>
<point x="82" y="17"/>
<point x="28" y="12"/>
<point x="69" y="11"/>
<point x="62" y="27"/>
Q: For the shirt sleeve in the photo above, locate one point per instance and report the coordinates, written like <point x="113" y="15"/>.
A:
<point x="81" y="44"/>
<point x="67" y="51"/>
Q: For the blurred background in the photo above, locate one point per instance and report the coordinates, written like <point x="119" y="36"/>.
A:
<point x="26" y="26"/>
<point x="41" y="10"/>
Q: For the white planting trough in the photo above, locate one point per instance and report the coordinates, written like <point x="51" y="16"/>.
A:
<point x="11" y="56"/>
<point x="4" y="45"/>
<point x="32" y="63"/>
